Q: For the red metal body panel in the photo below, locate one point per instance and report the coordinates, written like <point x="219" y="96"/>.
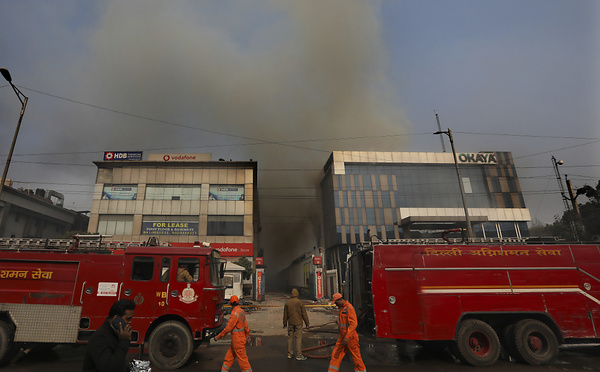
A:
<point x="422" y="291"/>
<point x="31" y="281"/>
<point x="94" y="281"/>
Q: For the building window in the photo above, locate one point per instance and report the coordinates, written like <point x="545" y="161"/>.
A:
<point x="508" y="229"/>
<point x="523" y="229"/>
<point x="386" y="199"/>
<point x="225" y="226"/>
<point x="370" y="216"/>
<point x="467" y="185"/>
<point x="508" y="203"/>
<point x="367" y="182"/>
<point x="119" y="192"/>
<point x="115" y="224"/>
<point x="389" y="232"/>
<point x="173" y="192"/>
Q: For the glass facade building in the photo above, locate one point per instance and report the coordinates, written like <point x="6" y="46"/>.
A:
<point x="395" y="195"/>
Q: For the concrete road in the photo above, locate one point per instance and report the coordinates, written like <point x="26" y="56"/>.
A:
<point x="269" y="354"/>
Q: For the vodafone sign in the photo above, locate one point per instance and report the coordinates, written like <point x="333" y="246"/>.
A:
<point x="179" y="157"/>
<point x="319" y="284"/>
<point x="233" y="249"/>
<point x="226" y="249"/>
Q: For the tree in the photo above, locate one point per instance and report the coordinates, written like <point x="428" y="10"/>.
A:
<point x="246" y="264"/>
<point x="588" y="228"/>
<point x="590" y="211"/>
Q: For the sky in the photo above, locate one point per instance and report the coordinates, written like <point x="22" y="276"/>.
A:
<point x="285" y="83"/>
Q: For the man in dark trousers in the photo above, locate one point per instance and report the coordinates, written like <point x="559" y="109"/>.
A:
<point x="294" y="313"/>
<point x="107" y="349"/>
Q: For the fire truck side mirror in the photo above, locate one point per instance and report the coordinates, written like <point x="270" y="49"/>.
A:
<point x="222" y="273"/>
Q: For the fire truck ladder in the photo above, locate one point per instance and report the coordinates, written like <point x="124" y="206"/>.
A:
<point x="79" y="242"/>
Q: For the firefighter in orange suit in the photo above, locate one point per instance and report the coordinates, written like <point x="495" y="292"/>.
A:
<point x="240" y="335"/>
<point x="348" y="340"/>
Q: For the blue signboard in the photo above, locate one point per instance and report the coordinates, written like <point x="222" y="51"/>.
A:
<point x="119" y="193"/>
<point x="226" y="192"/>
<point x="123" y="155"/>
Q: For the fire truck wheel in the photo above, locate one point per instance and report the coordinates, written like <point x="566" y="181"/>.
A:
<point x="477" y="343"/>
<point x="508" y="340"/>
<point x="170" y="345"/>
<point x="7" y="347"/>
<point x="535" y="342"/>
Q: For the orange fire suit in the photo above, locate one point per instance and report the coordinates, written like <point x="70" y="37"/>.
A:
<point x="238" y="326"/>
<point x="347" y="322"/>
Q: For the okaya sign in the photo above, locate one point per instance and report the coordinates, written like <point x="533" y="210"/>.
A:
<point x="479" y="157"/>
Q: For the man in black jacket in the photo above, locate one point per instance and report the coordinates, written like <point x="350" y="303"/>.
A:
<point x="107" y="349"/>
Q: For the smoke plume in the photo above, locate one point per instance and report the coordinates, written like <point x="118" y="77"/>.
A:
<point x="281" y="82"/>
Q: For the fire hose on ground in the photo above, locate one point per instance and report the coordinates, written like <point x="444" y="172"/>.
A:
<point x="361" y="319"/>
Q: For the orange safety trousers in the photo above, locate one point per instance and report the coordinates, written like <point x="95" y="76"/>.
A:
<point x="238" y="327"/>
<point x="237" y="350"/>
<point x="347" y="321"/>
<point x="339" y="351"/>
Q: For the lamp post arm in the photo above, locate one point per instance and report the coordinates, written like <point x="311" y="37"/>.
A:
<point x="19" y="95"/>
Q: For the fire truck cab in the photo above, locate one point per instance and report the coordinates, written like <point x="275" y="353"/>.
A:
<point x="480" y="298"/>
<point x="56" y="295"/>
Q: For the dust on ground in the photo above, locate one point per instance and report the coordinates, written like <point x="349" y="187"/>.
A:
<point x="266" y="318"/>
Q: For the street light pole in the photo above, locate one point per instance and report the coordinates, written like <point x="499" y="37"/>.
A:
<point x="19" y="94"/>
<point x="460" y="184"/>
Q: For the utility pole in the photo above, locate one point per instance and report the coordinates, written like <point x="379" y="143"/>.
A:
<point x="460" y="184"/>
<point x="437" y="118"/>
<point x="572" y="197"/>
<point x="565" y="199"/>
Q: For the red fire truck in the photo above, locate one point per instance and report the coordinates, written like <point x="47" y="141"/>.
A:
<point x="478" y="298"/>
<point x="60" y="292"/>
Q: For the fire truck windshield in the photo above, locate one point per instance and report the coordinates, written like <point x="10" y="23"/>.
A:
<point x="216" y="269"/>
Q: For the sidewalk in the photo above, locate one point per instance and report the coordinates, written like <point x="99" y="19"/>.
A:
<point x="267" y="318"/>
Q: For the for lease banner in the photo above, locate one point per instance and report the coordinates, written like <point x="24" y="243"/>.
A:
<point x="169" y="228"/>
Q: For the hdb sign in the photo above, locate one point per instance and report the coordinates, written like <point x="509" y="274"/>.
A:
<point x="123" y="155"/>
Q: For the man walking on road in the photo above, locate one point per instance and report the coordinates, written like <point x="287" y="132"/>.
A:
<point x="294" y="313"/>
<point x="348" y="340"/>
<point x="240" y="335"/>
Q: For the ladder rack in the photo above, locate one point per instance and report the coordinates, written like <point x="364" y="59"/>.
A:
<point x="61" y="244"/>
<point x="532" y="240"/>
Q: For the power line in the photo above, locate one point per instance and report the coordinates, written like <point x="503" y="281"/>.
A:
<point x="289" y="143"/>
<point x="527" y="135"/>
<point x="559" y="149"/>
<point x="260" y="141"/>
